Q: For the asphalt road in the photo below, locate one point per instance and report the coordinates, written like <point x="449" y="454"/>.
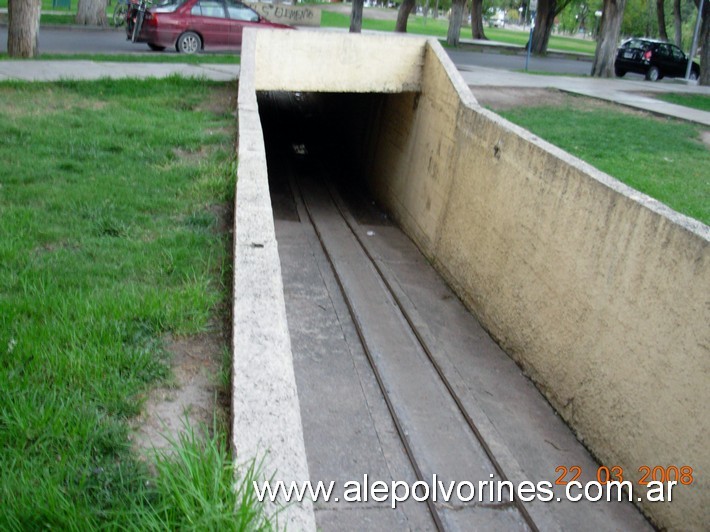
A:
<point x="68" y="40"/>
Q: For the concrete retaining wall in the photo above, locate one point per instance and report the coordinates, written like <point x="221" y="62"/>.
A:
<point x="336" y="62"/>
<point x="597" y="291"/>
<point x="266" y="424"/>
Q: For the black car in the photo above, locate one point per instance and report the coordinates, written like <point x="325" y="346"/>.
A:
<point x="654" y="59"/>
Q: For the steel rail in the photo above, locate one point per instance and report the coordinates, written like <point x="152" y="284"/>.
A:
<point x="432" y="359"/>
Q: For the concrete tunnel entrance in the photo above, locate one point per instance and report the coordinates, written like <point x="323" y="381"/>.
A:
<point x="330" y="132"/>
<point x="588" y="286"/>
<point x="397" y="382"/>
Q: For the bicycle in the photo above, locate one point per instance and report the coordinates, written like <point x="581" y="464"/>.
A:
<point x="119" y="13"/>
<point x="135" y="17"/>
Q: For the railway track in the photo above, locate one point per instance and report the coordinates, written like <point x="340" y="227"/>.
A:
<point x="317" y="203"/>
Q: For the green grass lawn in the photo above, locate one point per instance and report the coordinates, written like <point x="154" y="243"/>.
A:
<point x="663" y="158"/>
<point x="696" y="101"/>
<point x="439" y="28"/>
<point x="108" y="192"/>
<point x="47" y="5"/>
<point x="54" y="18"/>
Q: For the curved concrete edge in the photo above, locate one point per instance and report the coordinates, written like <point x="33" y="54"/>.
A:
<point x="266" y="423"/>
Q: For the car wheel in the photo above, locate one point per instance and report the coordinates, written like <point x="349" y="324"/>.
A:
<point x="189" y="43"/>
<point x="619" y="73"/>
<point x="653" y="74"/>
<point x="155" y="47"/>
<point x="693" y="75"/>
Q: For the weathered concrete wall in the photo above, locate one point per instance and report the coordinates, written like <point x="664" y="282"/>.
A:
<point x="598" y="291"/>
<point x="336" y="62"/>
<point x="266" y="423"/>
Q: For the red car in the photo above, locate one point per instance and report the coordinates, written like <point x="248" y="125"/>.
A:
<point x="194" y="25"/>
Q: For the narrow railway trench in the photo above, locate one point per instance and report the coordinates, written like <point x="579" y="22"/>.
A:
<point x="396" y="380"/>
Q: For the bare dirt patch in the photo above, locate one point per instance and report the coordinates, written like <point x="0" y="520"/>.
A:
<point x="221" y="100"/>
<point x="504" y="98"/>
<point x="192" y="397"/>
<point x="192" y="156"/>
<point x="705" y="137"/>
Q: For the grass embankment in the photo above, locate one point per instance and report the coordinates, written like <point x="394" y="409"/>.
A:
<point x="108" y="200"/>
<point x="663" y="158"/>
<point x="439" y="27"/>
<point x="696" y="101"/>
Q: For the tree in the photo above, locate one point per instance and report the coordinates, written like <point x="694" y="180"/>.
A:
<point x="639" y="19"/>
<point x="704" y="43"/>
<point x="545" y="15"/>
<point x="573" y="18"/>
<point x="661" y="13"/>
<point x="23" y="28"/>
<point x="477" y="20"/>
<point x="610" y="27"/>
<point x="544" y="20"/>
<point x="356" y="16"/>
<point x="91" y="12"/>
<point x="677" y="24"/>
<point x="405" y="9"/>
<point x="454" y="33"/>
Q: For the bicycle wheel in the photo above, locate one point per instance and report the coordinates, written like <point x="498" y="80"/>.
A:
<point x="119" y="14"/>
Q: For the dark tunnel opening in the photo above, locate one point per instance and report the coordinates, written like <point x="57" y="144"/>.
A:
<point x="329" y="136"/>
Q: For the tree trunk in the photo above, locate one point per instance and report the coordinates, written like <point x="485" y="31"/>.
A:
<point x="403" y="15"/>
<point x="91" y="12"/>
<point x="544" y="20"/>
<point x="23" y="28"/>
<point x="704" y="44"/>
<point x="452" y="38"/>
<point x="356" y="16"/>
<point x="477" y="20"/>
<point x="677" y="23"/>
<point x="610" y="27"/>
<point x="661" y="13"/>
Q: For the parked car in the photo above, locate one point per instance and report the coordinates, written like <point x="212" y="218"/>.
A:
<point x="194" y="25"/>
<point x="654" y="59"/>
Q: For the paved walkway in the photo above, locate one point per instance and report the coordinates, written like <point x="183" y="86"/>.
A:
<point x="625" y="92"/>
<point x="37" y="70"/>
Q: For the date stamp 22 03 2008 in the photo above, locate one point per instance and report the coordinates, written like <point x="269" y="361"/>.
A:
<point x="658" y="480"/>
